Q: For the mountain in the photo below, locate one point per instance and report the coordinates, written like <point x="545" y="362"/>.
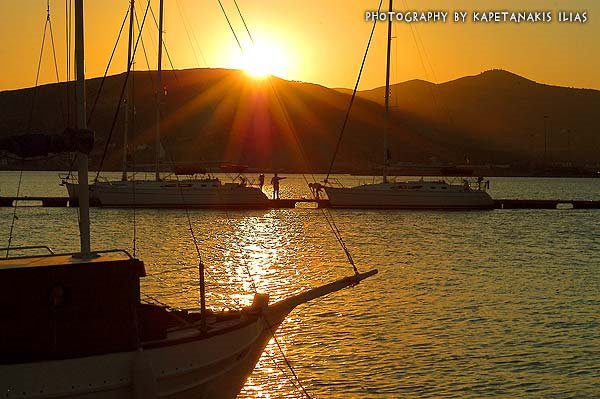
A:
<point x="216" y="115"/>
<point x="223" y="115"/>
<point x="500" y="117"/>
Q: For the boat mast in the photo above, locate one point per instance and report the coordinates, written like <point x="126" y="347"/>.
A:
<point x="159" y="93"/>
<point x="387" y="98"/>
<point x="129" y="102"/>
<point x="84" y="193"/>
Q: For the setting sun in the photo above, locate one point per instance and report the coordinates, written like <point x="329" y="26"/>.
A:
<point x="263" y="59"/>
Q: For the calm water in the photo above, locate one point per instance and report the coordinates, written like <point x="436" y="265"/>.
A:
<point x="498" y="304"/>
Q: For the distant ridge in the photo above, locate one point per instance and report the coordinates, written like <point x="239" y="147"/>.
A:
<point x="498" y="116"/>
<point x="222" y="115"/>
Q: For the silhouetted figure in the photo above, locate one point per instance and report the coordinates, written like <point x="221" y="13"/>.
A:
<point x="275" y="182"/>
<point x="315" y="189"/>
<point x="261" y="181"/>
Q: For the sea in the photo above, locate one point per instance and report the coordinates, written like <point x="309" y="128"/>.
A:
<point x="466" y="304"/>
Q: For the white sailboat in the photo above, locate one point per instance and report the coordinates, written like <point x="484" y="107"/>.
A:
<point x="170" y="191"/>
<point x="417" y="194"/>
<point x="74" y="326"/>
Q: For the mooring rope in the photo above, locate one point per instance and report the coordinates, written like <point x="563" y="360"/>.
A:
<point x="14" y="215"/>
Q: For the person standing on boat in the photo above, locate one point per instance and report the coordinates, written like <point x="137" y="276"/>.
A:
<point x="261" y="181"/>
<point x="275" y="182"/>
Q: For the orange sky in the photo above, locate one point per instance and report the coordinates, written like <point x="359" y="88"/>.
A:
<point x="320" y="41"/>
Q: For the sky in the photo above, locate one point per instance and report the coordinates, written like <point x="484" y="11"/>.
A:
<point x="318" y="41"/>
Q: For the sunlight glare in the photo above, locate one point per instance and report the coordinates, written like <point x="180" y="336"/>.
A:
<point x="263" y="59"/>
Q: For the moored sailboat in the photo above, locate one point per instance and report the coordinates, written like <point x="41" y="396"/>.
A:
<point x="416" y="194"/>
<point x="75" y="325"/>
<point x="170" y="191"/>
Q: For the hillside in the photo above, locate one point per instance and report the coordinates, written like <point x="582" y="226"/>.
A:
<point x="222" y="115"/>
<point x="498" y="117"/>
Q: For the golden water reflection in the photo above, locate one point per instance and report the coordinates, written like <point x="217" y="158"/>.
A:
<point x="466" y="304"/>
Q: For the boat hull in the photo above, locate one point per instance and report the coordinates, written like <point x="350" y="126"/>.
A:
<point x="394" y="196"/>
<point x="195" y="366"/>
<point x="176" y="194"/>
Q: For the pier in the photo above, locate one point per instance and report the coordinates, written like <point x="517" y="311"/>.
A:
<point x="290" y="203"/>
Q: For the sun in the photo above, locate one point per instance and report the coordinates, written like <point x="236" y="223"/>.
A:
<point x="263" y="59"/>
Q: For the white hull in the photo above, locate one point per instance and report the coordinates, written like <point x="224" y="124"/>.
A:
<point x="208" y="193"/>
<point x="409" y="195"/>
<point x="198" y="367"/>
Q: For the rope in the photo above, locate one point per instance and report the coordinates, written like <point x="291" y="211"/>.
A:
<point x="89" y="120"/>
<point x="185" y="25"/>
<point x="107" y="68"/>
<point x="339" y="141"/>
<point x="231" y="27"/>
<point x="243" y="21"/>
<point x="116" y="115"/>
<point x="137" y="22"/>
<point x="60" y="104"/>
<point x="37" y="76"/>
<point x="187" y="32"/>
<point x="326" y="213"/>
<point x="14" y="215"/>
<point x="287" y="362"/>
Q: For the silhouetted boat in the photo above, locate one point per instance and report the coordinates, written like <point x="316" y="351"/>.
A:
<point x="75" y="327"/>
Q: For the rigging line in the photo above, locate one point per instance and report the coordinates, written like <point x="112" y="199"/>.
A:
<point x="145" y="56"/>
<point x="331" y="223"/>
<point x="423" y="56"/>
<point x="243" y="21"/>
<point x="231" y="27"/>
<point x="299" y="385"/>
<point x="37" y="77"/>
<point x="187" y="31"/>
<point x="282" y="370"/>
<point x="337" y="146"/>
<point x="116" y="115"/>
<point x="195" y="38"/>
<point x="89" y="120"/>
<point x="287" y="362"/>
<point x="60" y="103"/>
<point x="164" y="45"/>
<point x="14" y="215"/>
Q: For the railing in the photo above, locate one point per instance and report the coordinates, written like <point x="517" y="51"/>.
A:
<point x="52" y="253"/>
<point x="27" y="248"/>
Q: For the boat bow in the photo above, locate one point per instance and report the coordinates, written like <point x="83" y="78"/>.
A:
<point x="278" y="310"/>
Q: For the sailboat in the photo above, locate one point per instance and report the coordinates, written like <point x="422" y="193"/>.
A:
<point x="173" y="191"/>
<point x="417" y="194"/>
<point x="74" y="325"/>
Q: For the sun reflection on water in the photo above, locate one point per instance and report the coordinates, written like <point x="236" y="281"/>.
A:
<point x="467" y="304"/>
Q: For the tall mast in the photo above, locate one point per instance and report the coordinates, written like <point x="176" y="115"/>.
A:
<point x="84" y="193"/>
<point x="387" y="98"/>
<point x="159" y="94"/>
<point x="129" y="102"/>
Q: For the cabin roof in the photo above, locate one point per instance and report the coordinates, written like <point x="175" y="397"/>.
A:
<point x="62" y="260"/>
